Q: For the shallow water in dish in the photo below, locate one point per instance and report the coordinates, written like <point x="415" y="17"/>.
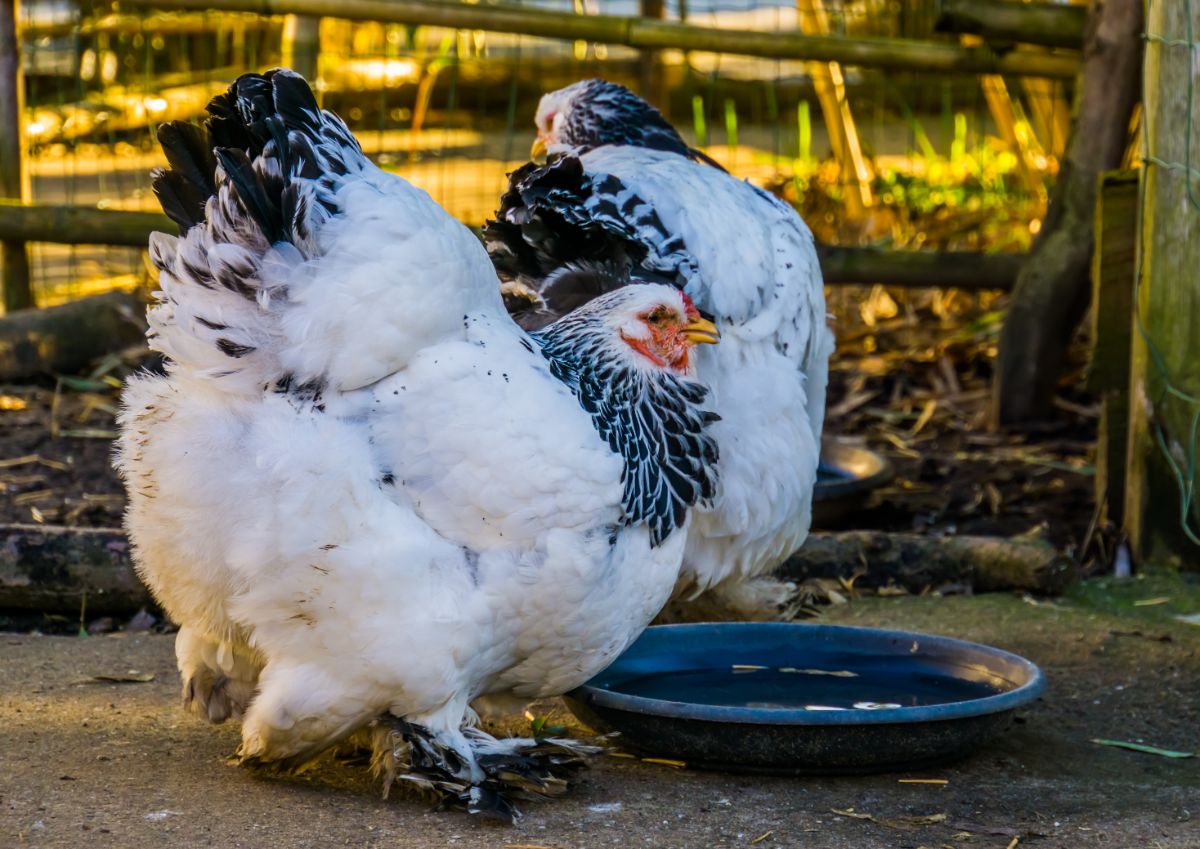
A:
<point x="866" y="687"/>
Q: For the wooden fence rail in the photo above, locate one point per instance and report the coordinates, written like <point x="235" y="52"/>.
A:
<point x="171" y="24"/>
<point x="1007" y="20"/>
<point x="78" y="225"/>
<point x="646" y="33"/>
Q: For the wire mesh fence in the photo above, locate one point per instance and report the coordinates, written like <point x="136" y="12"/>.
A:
<point x="451" y="109"/>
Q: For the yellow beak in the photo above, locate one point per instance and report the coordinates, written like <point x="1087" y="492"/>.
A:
<point x="538" y="152"/>
<point x="702" y="332"/>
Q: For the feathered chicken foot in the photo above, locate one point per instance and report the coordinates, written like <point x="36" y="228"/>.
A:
<point x="512" y="768"/>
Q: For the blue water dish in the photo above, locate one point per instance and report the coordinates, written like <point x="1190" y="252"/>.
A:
<point x="805" y="699"/>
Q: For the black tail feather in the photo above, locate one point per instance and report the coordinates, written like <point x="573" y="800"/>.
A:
<point x="255" y="196"/>
<point x="264" y="132"/>
<point x="294" y="101"/>
<point x="234" y="116"/>
<point x="188" y="183"/>
<point x="181" y="200"/>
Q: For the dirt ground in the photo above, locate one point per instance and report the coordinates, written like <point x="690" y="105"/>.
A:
<point x="104" y="764"/>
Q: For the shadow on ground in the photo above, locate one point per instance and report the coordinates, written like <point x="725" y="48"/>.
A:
<point x="88" y="763"/>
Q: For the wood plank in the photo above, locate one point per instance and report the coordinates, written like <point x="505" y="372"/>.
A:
<point x="54" y="569"/>
<point x="77" y="225"/>
<point x="80" y="225"/>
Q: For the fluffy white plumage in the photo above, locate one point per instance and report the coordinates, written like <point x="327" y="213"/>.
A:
<point x="360" y="488"/>
<point x="639" y="197"/>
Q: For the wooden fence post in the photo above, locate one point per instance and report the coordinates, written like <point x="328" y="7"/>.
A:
<point x="1165" y="384"/>
<point x="14" y="261"/>
<point x="1114" y="273"/>
<point x="641" y="33"/>
<point x="302" y="46"/>
<point x="653" y="81"/>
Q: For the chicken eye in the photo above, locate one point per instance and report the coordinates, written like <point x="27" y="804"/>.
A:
<point x="658" y="315"/>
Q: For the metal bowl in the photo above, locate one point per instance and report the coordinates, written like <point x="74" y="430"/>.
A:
<point x="846" y="477"/>
<point x="805" y="699"/>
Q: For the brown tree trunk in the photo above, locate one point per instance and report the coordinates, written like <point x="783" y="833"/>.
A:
<point x="1053" y="287"/>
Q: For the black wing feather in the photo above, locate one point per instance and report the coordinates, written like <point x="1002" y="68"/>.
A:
<point x="556" y="215"/>
<point x="654" y="422"/>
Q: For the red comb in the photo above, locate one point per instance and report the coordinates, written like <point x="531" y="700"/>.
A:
<point x="688" y="306"/>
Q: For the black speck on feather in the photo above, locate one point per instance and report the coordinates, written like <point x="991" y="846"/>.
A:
<point x="233" y="349"/>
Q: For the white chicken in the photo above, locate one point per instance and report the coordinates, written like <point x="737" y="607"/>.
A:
<point x="623" y="189"/>
<point x="361" y="489"/>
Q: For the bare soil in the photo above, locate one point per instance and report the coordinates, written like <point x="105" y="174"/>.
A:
<point x="91" y="763"/>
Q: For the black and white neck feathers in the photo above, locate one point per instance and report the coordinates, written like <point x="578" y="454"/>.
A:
<point x="652" y="418"/>
<point x="596" y="112"/>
